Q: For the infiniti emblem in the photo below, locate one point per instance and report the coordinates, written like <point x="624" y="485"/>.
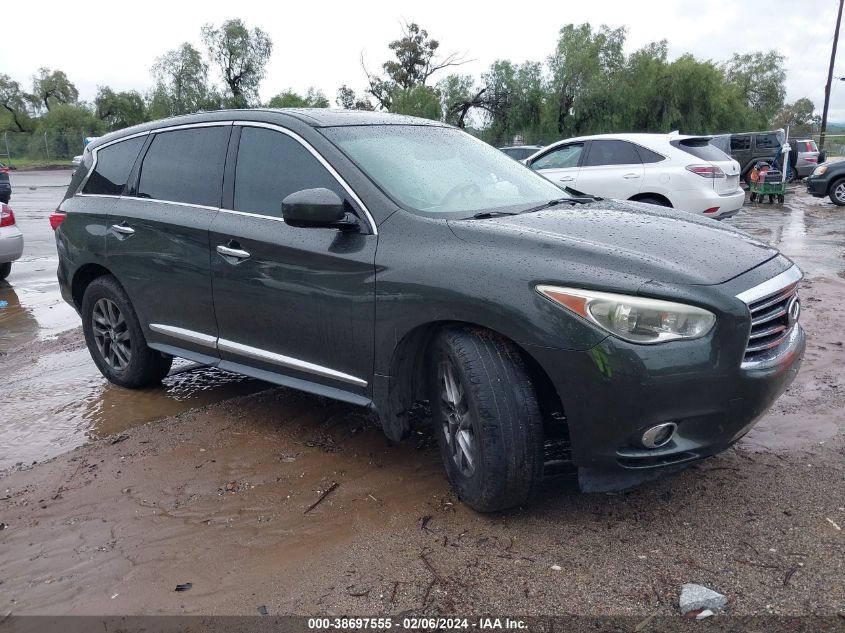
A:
<point x="793" y="310"/>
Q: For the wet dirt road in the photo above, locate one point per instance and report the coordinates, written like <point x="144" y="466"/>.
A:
<point x="216" y="495"/>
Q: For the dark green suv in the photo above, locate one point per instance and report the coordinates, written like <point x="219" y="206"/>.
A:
<point x="390" y="262"/>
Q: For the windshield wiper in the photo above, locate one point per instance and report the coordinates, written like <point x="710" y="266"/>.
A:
<point x="483" y="215"/>
<point x="580" y="197"/>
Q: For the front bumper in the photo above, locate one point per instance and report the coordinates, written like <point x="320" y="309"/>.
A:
<point x="817" y="186"/>
<point x="11" y="244"/>
<point x="614" y="392"/>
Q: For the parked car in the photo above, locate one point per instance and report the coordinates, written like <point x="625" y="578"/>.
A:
<point x="5" y="185"/>
<point x="521" y="152"/>
<point x="670" y="170"/>
<point x="828" y="179"/>
<point x="748" y="148"/>
<point x="11" y="240"/>
<point x="803" y="157"/>
<point x="385" y="260"/>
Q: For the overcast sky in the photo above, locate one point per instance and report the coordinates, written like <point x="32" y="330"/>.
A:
<point x="320" y="43"/>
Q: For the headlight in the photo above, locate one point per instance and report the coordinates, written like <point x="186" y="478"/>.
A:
<point x="818" y="171"/>
<point x="635" y="319"/>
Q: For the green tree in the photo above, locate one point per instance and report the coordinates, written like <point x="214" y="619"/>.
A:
<point x="348" y="100"/>
<point x="798" y="115"/>
<point x="182" y="85"/>
<point x="758" y="79"/>
<point x="119" y="109"/>
<point x="457" y="97"/>
<point x="415" y="62"/>
<point x="65" y="125"/>
<point x="584" y="67"/>
<point x="313" y="98"/>
<point x="50" y="88"/>
<point x="422" y="101"/>
<point x="241" y="56"/>
<point x="13" y="102"/>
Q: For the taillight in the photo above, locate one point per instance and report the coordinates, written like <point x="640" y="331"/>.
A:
<point x="706" y="171"/>
<point x="711" y="210"/>
<point x="7" y="217"/>
<point x="4" y="170"/>
<point x="56" y="218"/>
<point x="811" y="159"/>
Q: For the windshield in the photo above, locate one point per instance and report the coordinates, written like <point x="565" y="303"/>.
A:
<point x="441" y="170"/>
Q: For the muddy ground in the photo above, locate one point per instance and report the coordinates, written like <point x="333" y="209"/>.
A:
<point x="209" y="480"/>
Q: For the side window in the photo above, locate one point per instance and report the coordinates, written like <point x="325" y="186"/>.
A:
<point x="647" y="156"/>
<point x="113" y="166"/>
<point x="186" y="166"/>
<point x="612" y="153"/>
<point x="767" y="141"/>
<point x="566" y="156"/>
<point x="740" y="143"/>
<point x="271" y="165"/>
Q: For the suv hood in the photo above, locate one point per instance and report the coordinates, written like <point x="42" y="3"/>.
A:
<point x="629" y="238"/>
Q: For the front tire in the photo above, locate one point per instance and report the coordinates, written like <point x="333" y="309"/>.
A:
<point x="5" y="270"/>
<point x="486" y="418"/>
<point x="115" y="339"/>
<point x="837" y="192"/>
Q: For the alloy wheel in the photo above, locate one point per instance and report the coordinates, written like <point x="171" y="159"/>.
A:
<point x="111" y="334"/>
<point x="839" y="192"/>
<point x="456" y="424"/>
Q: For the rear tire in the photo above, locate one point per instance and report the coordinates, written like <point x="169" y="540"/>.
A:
<point x="837" y="192"/>
<point x="5" y="269"/>
<point x="655" y="201"/>
<point x="486" y="418"/>
<point x="115" y="339"/>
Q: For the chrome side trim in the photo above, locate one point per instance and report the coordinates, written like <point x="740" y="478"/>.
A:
<point x="188" y="126"/>
<point x="323" y="162"/>
<point x="185" y="335"/>
<point x="787" y="278"/>
<point x="252" y="215"/>
<point x="286" y="361"/>
<point x="182" y="204"/>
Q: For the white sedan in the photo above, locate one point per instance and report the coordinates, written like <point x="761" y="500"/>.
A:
<point x="671" y="170"/>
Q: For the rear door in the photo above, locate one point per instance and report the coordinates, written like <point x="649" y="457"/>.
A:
<point x="741" y="150"/>
<point x="612" y="169"/>
<point x="158" y="245"/>
<point x="561" y="164"/>
<point x="293" y="301"/>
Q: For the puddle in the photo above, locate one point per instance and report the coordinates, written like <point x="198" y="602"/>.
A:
<point x="61" y="400"/>
<point x="31" y="312"/>
<point x="789" y="432"/>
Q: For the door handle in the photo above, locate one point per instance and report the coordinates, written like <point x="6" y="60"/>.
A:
<point x="229" y="251"/>
<point x="122" y="230"/>
<point x="629" y="176"/>
<point x="566" y="179"/>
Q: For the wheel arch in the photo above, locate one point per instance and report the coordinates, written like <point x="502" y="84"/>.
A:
<point x="657" y="196"/>
<point x="82" y="278"/>
<point x="407" y="383"/>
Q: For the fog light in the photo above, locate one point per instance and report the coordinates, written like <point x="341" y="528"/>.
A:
<point x="659" y="435"/>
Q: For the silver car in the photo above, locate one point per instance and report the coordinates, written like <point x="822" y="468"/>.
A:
<point x="11" y="240"/>
<point x="804" y="157"/>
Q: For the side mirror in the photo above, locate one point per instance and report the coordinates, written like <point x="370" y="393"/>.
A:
<point x="315" y="208"/>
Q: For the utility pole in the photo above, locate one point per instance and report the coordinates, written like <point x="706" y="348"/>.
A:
<point x="827" y="87"/>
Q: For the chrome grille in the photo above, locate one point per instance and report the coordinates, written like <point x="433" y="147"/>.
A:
<point x="771" y="321"/>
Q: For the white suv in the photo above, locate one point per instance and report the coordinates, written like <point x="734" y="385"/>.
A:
<point x="683" y="172"/>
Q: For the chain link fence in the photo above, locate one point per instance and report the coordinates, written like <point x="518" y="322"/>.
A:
<point x="52" y="146"/>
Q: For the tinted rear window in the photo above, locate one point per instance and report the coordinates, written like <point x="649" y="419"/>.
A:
<point x="271" y="166"/>
<point x="739" y="143"/>
<point x="612" y="153"/>
<point x="767" y="141"/>
<point x="186" y="166"/>
<point x="647" y="156"/>
<point x="701" y="148"/>
<point x="113" y="166"/>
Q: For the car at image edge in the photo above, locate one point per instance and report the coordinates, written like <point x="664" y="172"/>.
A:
<point x="385" y="260"/>
<point x="671" y="170"/>
<point x="11" y="240"/>
<point x="5" y="185"/>
<point x="828" y="179"/>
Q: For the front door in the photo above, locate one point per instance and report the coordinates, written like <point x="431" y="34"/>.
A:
<point x="560" y="165"/>
<point x="157" y="244"/>
<point x="295" y="301"/>
<point x="612" y="169"/>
